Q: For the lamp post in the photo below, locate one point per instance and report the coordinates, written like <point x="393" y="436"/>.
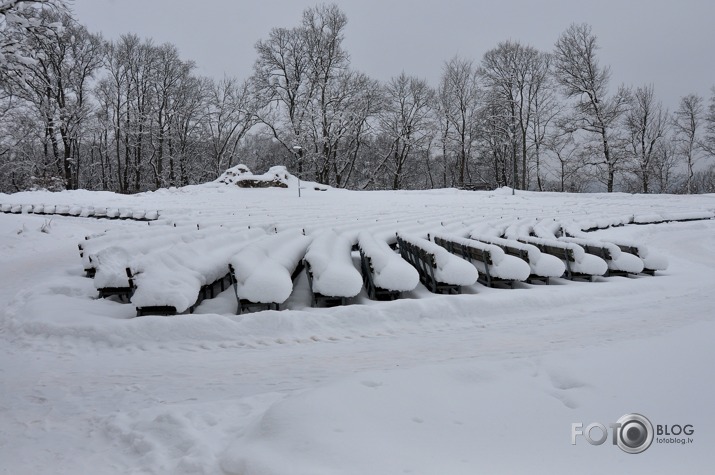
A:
<point x="298" y="151"/>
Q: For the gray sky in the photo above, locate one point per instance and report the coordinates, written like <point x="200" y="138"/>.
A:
<point x="667" y="43"/>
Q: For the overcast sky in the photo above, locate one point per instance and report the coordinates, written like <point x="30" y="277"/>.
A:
<point x="667" y="43"/>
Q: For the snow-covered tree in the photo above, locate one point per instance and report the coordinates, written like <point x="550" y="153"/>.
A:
<point x="595" y="111"/>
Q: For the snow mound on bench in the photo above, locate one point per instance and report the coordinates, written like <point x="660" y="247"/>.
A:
<point x="449" y="269"/>
<point x="620" y="261"/>
<point x="330" y="259"/>
<point x="584" y="263"/>
<point x="174" y="277"/>
<point x="263" y="270"/>
<point x="503" y="265"/>
<point x="541" y="264"/>
<point x="391" y="272"/>
<point x="651" y="260"/>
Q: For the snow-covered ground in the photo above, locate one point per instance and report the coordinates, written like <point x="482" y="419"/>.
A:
<point x="489" y="381"/>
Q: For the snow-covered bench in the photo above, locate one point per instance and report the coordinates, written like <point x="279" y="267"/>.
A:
<point x="493" y="264"/>
<point x="263" y="272"/>
<point x="109" y="254"/>
<point x="78" y="211"/>
<point x="619" y="263"/>
<point x="439" y="271"/>
<point x="177" y="279"/>
<point x="542" y="266"/>
<point x="579" y="264"/>
<point x="385" y="273"/>
<point x="652" y="262"/>
<point x="332" y="277"/>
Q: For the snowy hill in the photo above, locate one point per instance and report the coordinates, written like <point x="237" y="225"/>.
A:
<point x="277" y="177"/>
<point x="489" y="381"/>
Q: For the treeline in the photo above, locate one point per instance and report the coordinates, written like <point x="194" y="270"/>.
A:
<point x="78" y="111"/>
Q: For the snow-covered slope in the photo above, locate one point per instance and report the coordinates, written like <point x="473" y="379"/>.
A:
<point x="489" y="381"/>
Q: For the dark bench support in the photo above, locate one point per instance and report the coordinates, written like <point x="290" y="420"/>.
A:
<point x="124" y="293"/>
<point x="163" y="310"/>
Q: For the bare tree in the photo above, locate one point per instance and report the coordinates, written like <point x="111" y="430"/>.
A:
<point x="708" y="141"/>
<point x="170" y="73"/>
<point x="517" y="76"/>
<point x="583" y="79"/>
<point x="459" y="101"/>
<point x="312" y="101"/>
<point x="230" y="114"/>
<point x="665" y="163"/>
<point x="282" y="83"/>
<point x="186" y="128"/>
<point x="56" y="83"/>
<point x="546" y="111"/>
<point x="687" y="122"/>
<point x="405" y="122"/>
<point x="564" y="147"/>
<point x="646" y="123"/>
<point x="20" y="19"/>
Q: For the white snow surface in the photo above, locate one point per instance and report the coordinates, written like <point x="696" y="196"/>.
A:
<point x="449" y="269"/>
<point x="334" y="274"/>
<point x="489" y="381"/>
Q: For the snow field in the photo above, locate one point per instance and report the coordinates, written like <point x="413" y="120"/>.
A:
<point x="390" y="271"/>
<point x="429" y="384"/>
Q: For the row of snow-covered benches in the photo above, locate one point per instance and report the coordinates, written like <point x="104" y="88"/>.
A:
<point x="81" y="211"/>
<point x="170" y="270"/>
